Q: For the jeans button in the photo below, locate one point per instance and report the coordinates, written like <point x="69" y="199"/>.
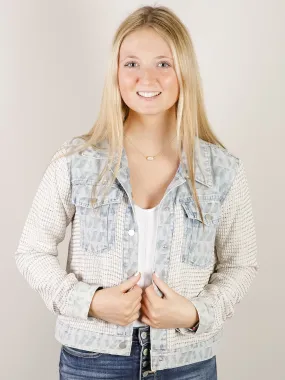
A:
<point x="145" y="373"/>
<point x="145" y="363"/>
<point x="145" y="351"/>
<point x="144" y="335"/>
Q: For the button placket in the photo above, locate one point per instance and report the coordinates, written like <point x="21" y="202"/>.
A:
<point x="144" y="339"/>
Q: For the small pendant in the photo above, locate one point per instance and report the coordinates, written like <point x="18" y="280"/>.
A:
<point x="150" y="158"/>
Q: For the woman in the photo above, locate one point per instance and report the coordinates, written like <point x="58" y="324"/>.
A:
<point x="149" y="189"/>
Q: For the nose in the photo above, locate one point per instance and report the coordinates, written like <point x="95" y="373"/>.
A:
<point x="147" y="73"/>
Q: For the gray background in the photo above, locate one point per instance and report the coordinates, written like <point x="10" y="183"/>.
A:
<point x="53" y="59"/>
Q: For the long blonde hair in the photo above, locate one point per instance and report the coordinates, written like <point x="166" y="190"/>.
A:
<point x="191" y="117"/>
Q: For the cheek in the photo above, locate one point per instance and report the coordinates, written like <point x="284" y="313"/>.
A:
<point x="170" y="82"/>
<point x="171" y="86"/>
<point x="126" y="81"/>
<point x="126" y="86"/>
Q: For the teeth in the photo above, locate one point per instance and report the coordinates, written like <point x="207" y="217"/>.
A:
<point x="148" y="94"/>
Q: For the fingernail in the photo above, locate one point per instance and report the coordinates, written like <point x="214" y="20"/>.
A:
<point x="156" y="274"/>
<point x="136" y="274"/>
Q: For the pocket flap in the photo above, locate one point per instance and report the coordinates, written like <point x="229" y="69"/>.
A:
<point x="210" y="210"/>
<point x="82" y="192"/>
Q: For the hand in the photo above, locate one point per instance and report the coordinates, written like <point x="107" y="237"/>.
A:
<point x="171" y="311"/>
<point x="117" y="304"/>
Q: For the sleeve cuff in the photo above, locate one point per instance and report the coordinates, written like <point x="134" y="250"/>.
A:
<point x="206" y="318"/>
<point x="80" y="299"/>
<point x="194" y="328"/>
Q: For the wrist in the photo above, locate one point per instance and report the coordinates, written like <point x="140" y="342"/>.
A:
<point x="193" y="321"/>
<point x="196" y="317"/>
<point x="91" y="312"/>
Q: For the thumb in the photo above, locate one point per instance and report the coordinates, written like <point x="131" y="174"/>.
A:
<point x="165" y="289"/>
<point x="126" y="285"/>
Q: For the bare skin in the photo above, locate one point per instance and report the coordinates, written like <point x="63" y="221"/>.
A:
<point x="117" y="304"/>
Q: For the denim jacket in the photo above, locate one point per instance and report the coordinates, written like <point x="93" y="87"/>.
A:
<point x="212" y="266"/>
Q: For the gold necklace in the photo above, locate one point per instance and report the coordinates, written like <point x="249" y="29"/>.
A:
<point x="148" y="158"/>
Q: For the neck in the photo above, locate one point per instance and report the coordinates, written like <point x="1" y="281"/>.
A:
<point x="151" y="132"/>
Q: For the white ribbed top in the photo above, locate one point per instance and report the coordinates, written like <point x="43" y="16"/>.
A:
<point x="147" y="220"/>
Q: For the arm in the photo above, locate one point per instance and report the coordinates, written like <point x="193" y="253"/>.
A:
<point x="45" y="227"/>
<point x="237" y="262"/>
<point x="91" y="309"/>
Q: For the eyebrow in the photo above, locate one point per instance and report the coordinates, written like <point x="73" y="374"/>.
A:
<point x="158" y="57"/>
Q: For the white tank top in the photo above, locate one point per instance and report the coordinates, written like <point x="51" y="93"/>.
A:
<point x="147" y="223"/>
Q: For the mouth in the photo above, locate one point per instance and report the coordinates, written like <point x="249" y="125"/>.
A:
<point x="148" y="97"/>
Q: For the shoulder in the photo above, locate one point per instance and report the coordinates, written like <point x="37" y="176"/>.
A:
<point x="223" y="164"/>
<point x="68" y="146"/>
<point x="220" y="158"/>
<point x="218" y="152"/>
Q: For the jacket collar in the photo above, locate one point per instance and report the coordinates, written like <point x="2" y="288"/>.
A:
<point x="203" y="170"/>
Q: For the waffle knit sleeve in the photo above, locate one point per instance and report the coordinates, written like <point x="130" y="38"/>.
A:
<point x="45" y="227"/>
<point x="236" y="250"/>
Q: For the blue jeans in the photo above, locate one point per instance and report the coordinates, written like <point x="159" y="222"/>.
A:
<point x="77" y="364"/>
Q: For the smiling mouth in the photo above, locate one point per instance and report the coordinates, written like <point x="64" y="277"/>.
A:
<point x="149" y="97"/>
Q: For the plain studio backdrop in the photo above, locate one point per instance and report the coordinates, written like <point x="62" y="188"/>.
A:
<point x="53" y="61"/>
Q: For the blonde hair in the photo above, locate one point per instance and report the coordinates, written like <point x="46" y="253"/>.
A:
<point x="191" y="119"/>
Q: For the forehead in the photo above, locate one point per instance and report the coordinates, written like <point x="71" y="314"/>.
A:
<point x="142" y="42"/>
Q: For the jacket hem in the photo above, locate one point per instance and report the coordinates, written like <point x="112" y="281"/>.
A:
<point x="122" y="345"/>
<point x="92" y="340"/>
<point x="186" y="355"/>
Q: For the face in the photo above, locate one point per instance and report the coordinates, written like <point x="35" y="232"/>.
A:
<point x="146" y="65"/>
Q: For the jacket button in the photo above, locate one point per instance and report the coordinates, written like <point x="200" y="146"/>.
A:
<point x="131" y="272"/>
<point x="131" y="232"/>
<point x="160" y="358"/>
<point x="122" y="345"/>
<point x="208" y="217"/>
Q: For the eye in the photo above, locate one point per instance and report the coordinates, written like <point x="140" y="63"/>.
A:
<point x="127" y="64"/>
<point x="168" y="65"/>
<point x="132" y="62"/>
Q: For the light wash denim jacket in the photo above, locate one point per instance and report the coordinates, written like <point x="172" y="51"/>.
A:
<point x="213" y="267"/>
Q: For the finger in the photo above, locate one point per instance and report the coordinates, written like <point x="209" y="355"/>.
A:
<point x="150" y="294"/>
<point x="162" y="286"/>
<point x="135" y="317"/>
<point x="144" y="319"/>
<point x="137" y="309"/>
<point x="145" y="311"/>
<point x="134" y="294"/>
<point x="137" y="304"/>
<point x="146" y="302"/>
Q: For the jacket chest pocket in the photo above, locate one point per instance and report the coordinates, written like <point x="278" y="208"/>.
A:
<point x="198" y="239"/>
<point x="98" y="221"/>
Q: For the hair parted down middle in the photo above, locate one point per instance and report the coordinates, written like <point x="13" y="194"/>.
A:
<point x="191" y="118"/>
